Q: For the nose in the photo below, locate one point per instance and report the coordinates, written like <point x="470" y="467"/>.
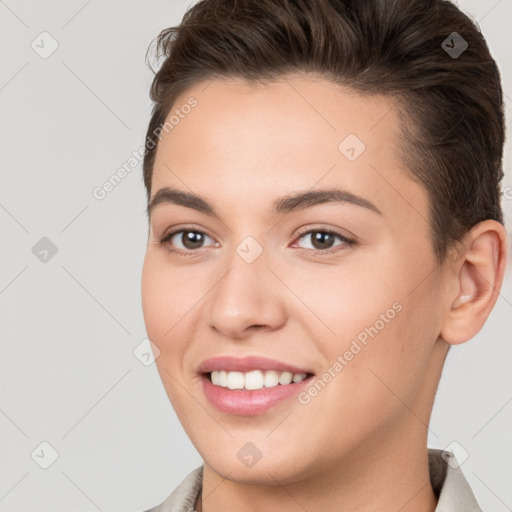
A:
<point x="247" y="298"/>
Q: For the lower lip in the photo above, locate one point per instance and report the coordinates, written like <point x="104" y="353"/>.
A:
<point x="249" y="402"/>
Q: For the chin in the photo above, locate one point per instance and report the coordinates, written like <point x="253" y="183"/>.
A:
<point x="286" y="468"/>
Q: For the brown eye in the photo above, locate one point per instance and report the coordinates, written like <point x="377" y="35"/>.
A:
<point x="190" y="240"/>
<point x="324" y="239"/>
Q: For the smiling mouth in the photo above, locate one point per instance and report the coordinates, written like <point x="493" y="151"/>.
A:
<point x="255" y="379"/>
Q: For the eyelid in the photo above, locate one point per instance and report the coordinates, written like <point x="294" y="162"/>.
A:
<point x="324" y="227"/>
<point x="186" y="227"/>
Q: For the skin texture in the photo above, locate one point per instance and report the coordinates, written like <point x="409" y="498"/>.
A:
<point x="360" y="443"/>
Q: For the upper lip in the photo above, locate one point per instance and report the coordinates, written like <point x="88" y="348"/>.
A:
<point x="246" y="364"/>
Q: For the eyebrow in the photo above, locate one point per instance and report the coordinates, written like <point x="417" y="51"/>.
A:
<point x="283" y="205"/>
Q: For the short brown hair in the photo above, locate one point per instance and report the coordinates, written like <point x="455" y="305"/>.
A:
<point x="451" y="107"/>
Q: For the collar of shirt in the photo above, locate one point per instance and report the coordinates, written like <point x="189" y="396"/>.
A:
<point x="448" y="482"/>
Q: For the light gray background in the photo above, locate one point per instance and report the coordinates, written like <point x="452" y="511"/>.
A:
<point x="69" y="326"/>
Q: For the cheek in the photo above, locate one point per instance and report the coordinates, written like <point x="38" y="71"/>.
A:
<point x="343" y="302"/>
<point x="167" y="296"/>
<point x="163" y="306"/>
<point x="151" y="295"/>
<point x="383" y="334"/>
<point x="160" y="305"/>
<point x="171" y="304"/>
<point x="389" y="369"/>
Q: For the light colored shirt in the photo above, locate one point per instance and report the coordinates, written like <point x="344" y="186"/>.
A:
<point x="448" y="482"/>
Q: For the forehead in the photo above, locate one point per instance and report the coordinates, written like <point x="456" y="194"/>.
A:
<point x="256" y="140"/>
<point x="286" y="111"/>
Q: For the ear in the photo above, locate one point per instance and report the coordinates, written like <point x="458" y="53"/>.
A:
<point x="478" y="272"/>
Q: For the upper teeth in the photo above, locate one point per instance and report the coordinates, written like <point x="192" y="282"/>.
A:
<point x="255" y="379"/>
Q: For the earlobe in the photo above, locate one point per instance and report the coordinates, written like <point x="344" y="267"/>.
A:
<point x="479" y="276"/>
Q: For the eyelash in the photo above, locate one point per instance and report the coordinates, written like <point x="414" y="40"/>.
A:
<point x="166" y="237"/>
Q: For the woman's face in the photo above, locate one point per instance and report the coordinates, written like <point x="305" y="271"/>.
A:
<point x="345" y="290"/>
